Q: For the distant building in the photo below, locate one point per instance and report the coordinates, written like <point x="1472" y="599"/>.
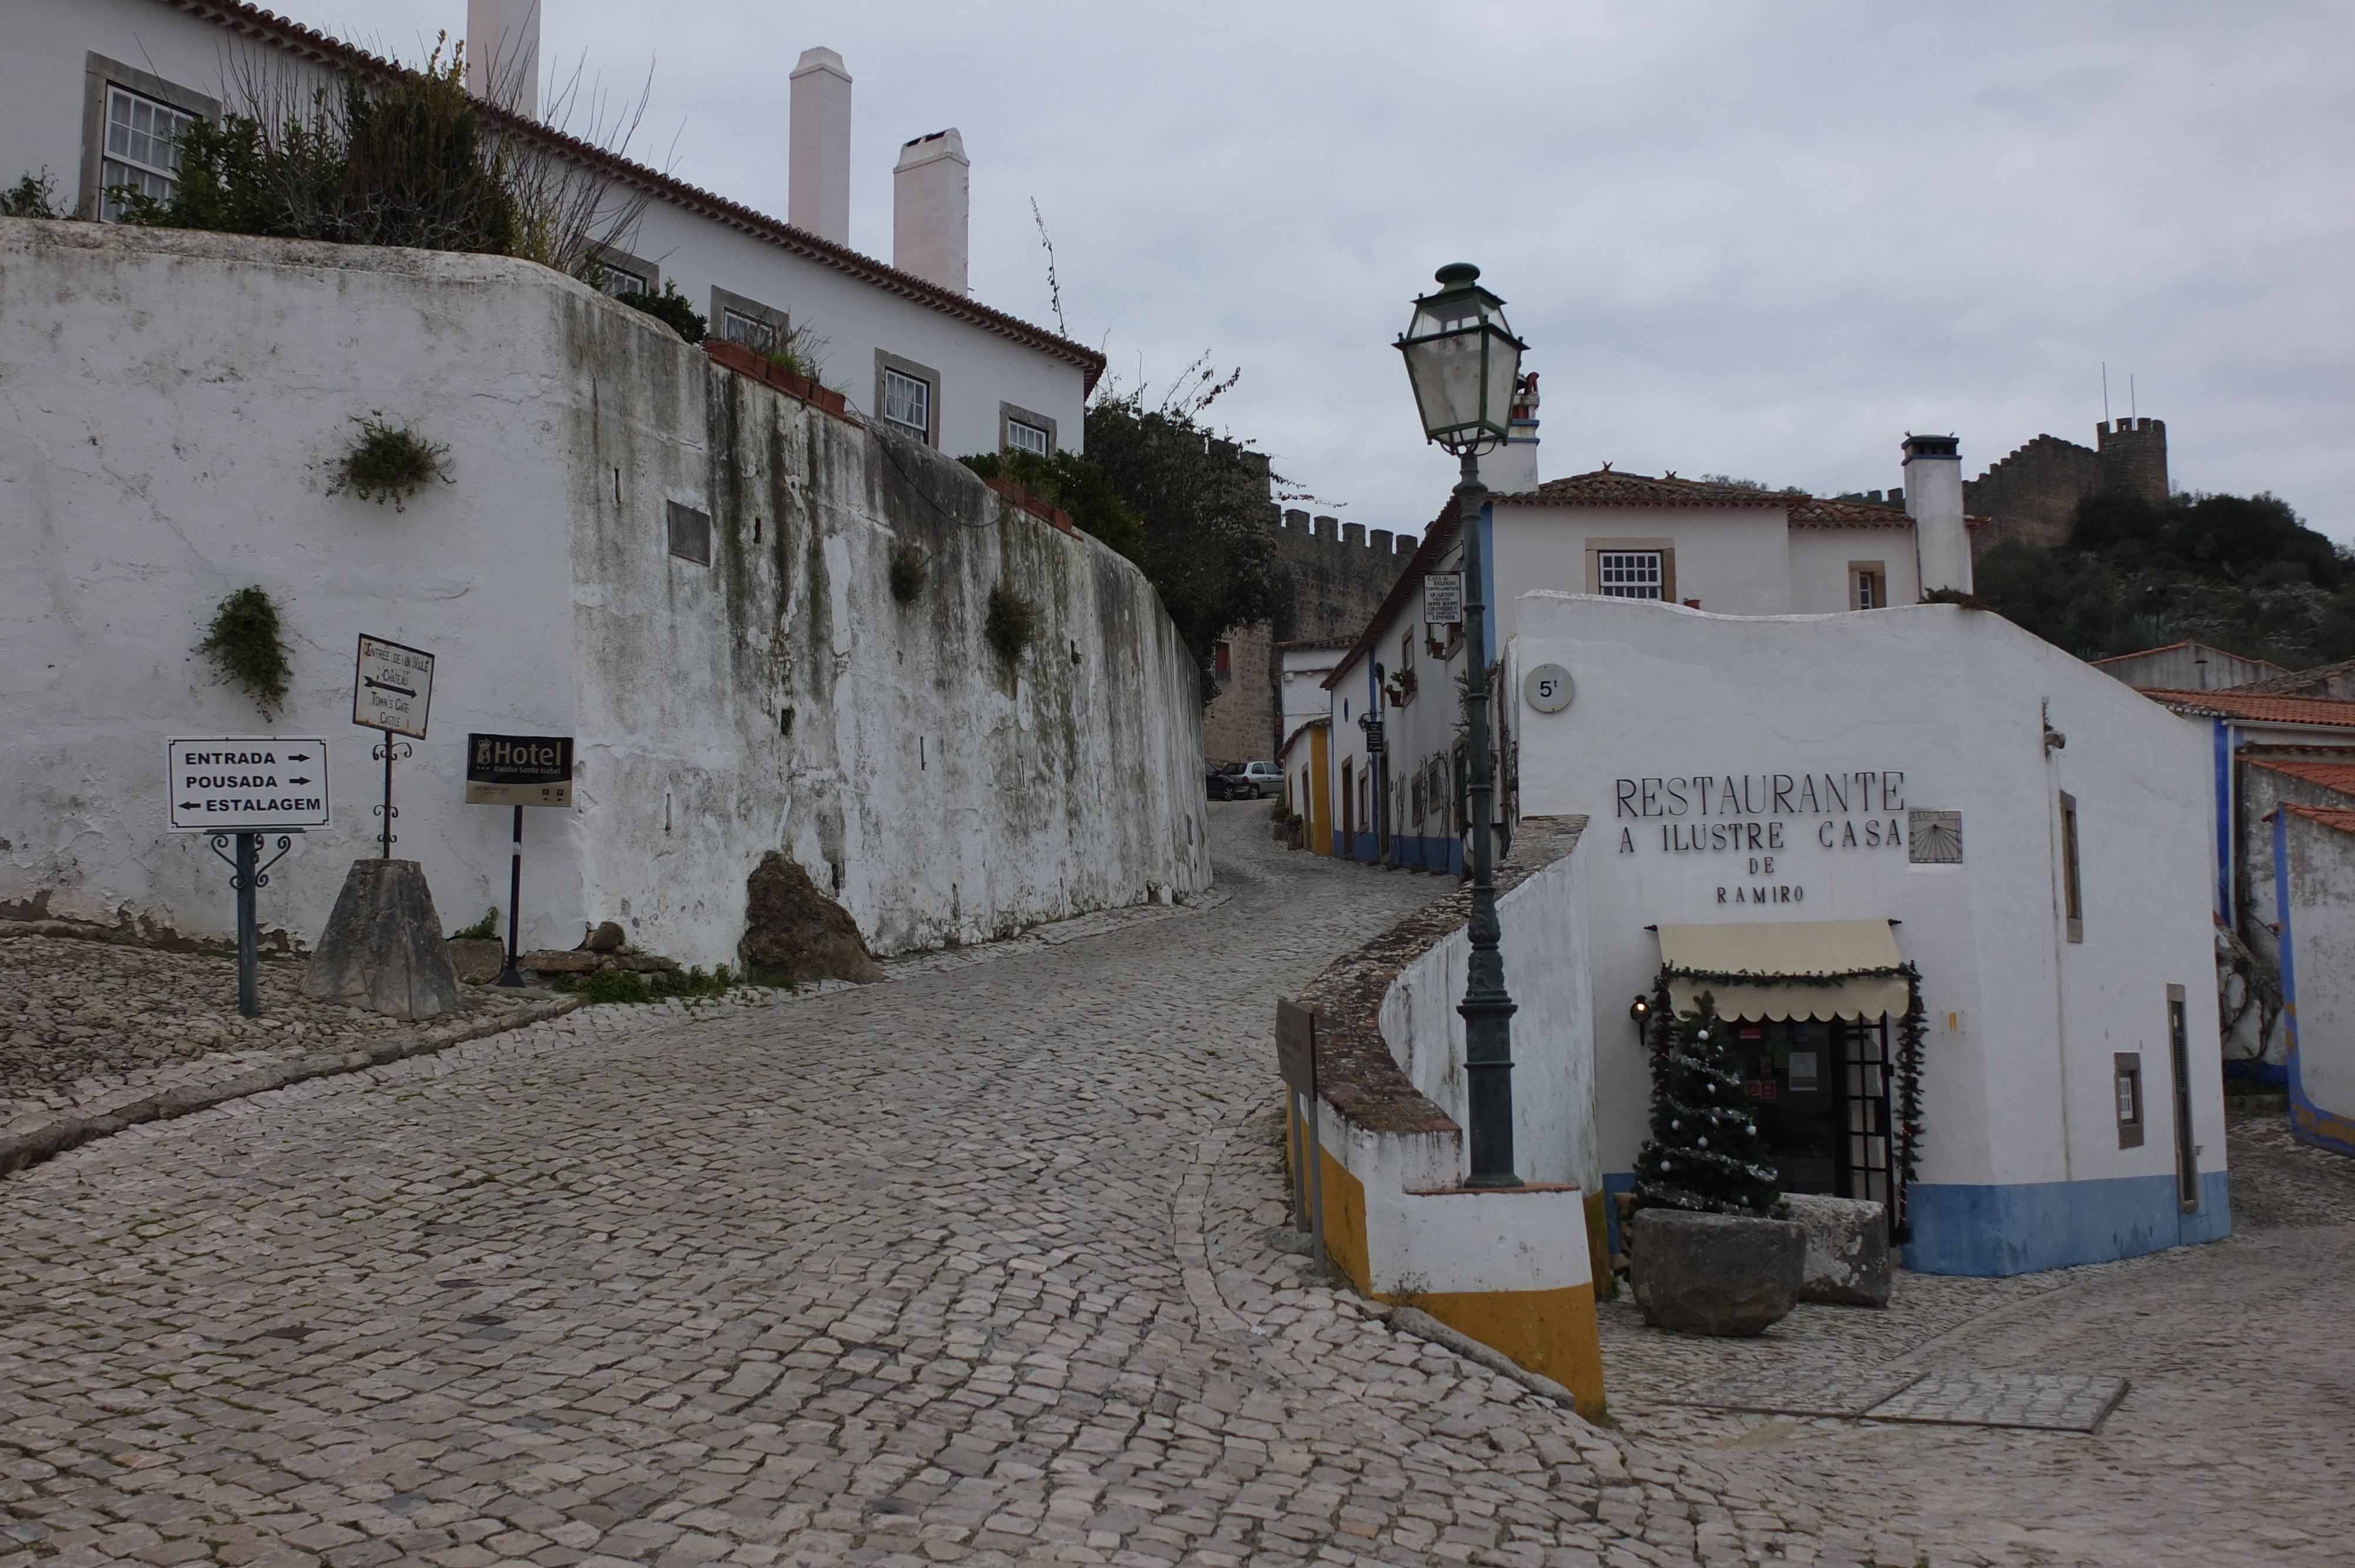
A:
<point x="2188" y="666"/>
<point x="2032" y="495"/>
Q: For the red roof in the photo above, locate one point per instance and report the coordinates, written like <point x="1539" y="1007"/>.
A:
<point x="2336" y="712"/>
<point x="2329" y="816"/>
<point x="306" y="43"/>
<point x="2338" y="776"/>
<point x="1605" y="487"/>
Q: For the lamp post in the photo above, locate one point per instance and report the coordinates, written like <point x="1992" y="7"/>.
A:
<point x="1464" y="361"/>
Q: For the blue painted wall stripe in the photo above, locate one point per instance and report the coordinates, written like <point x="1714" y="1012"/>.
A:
<point x="2224" y="824"/>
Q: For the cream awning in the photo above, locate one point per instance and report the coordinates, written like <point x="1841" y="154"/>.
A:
<point x="1789" y="948"/>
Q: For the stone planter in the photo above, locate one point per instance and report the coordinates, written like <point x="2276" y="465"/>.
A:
<point x="1715" y="1274"/>
<point x="1848" y="1249"/>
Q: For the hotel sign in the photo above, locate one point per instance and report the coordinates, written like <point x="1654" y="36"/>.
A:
<point x="518" y="770"/>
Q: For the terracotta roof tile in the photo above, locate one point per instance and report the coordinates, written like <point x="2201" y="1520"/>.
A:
<point x="2338" y="776"/>
<point x="1605" y="488"/>
<point x="307" y="43"/>
<point x="2329" y="816"/>
<point x="2337" y="712"/>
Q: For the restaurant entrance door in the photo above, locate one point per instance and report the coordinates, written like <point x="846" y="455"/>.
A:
<point x="1819" y="1092"/>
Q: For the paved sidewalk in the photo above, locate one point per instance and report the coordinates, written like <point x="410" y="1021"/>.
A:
<point x="973" y="1266"/>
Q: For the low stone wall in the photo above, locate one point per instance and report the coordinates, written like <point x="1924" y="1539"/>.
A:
<point x="1512" y="1269"/>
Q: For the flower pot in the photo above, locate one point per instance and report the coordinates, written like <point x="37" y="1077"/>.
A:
<point x="1724" y="1275"/>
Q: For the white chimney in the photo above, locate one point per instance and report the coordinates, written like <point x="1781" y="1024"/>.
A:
<point x="931" y="200"/>
<point x="503" y="53"/>
<point x="1514" y="466"/>
<point x="1934" y="499"/>
<point x="818" y="198"/>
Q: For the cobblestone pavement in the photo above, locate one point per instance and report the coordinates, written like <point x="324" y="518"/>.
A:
<point x="973" y="1266"/>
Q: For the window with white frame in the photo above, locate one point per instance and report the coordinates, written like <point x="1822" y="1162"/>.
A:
<point x="1027" y="437"/>
<point x="1629" y="574"/>
<point x="615" y="279"/>
<point x="753" y="333"/>
<point x="907" y="402"/>
<point x="143" y="147"/>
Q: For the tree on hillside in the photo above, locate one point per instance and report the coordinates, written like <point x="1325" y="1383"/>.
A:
<point x="2243" y="573"/>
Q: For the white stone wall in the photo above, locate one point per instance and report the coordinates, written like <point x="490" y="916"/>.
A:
<point x="2321" y="917"/>
<point x="2023" y="1022"/>
<point x="173" y="403"/>
<point x="1543" y="927"/>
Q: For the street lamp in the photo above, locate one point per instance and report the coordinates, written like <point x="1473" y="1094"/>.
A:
<point x="1465" y="362"/>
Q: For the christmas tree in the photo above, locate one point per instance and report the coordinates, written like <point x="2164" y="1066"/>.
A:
<point x="1705" y="1152"/>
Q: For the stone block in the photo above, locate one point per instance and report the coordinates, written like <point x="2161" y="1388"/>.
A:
<point x="479" y="959"/>
<point x="790" y="927"/>
<point x="558" y="961"/>
<point x="1715" y="1274"/>
<point x="1848" y="1249"/>
<point x="383" y="947"/>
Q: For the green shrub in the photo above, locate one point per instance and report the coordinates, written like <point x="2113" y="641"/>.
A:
<point x="35" y="195"/>
<point x="481" y="930"/>
<point x="671" y="308"/>
<point x="629" y="985"/>
<point x="1070" y="481"/>
<point x="1011" y="625"/>
<point x="244" y="640"/>
<point x="388" y="464"/>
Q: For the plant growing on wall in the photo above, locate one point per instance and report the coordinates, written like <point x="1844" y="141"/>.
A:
<point x="907" y="573"/>
<point x="399" y="157"/>
<point x="1078" y="485"/>
<point x="388" y="462"/>
<point x="1011" y="625"/>
<point x="1705" y="1152"/>
<point x="35" y="195"/>
<point x="244" y="640"/>
<point x="671" y="308"/>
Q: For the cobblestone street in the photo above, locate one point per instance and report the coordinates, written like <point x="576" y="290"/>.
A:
<point x="973" y="1266"/>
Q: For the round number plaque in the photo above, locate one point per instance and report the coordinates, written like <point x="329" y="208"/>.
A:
<point x="1547" y="688"/>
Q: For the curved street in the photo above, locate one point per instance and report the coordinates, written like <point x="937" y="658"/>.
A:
<point x="973" y="1265"/>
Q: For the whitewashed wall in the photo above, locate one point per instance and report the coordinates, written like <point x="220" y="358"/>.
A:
<point x="2018" y="1078"/>
<point x="173" y="403"/>
<point x="1543" y="937"/>
<point x="44" y="44"/>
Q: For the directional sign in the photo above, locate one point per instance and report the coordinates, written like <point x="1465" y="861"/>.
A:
<point x="392" y="687"/>
<point x="245" y="784"/>
<point x="518" y="770"/>
<point x="1443" y="598"/>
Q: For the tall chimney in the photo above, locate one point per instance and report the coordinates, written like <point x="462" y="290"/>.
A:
<point x="1514" y="466"/>
<point x="1934" y="499"/>
<point x="931" y="200"/>
<point x="818" y="197"/>
<point x="503" y="53"/>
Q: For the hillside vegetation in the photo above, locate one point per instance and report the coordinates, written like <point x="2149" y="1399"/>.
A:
<point x="2241" y="573"/>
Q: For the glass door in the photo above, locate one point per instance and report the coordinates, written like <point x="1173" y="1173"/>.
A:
<point x="1820" y="1093"/>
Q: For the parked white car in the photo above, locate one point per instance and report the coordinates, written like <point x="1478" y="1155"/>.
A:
<point x="1263" y="778"/>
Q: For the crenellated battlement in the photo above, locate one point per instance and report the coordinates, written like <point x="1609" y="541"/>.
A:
<point x="2032" y="494"/>
<point x="1296" y="524"/>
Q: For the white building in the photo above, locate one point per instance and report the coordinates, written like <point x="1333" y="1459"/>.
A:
<point x="1816" y="795"/>
<point x="1730" y="549"/>
<point x="94" y="91"/>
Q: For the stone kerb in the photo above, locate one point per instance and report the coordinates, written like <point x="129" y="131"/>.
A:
<point x="1508" y="1268"/>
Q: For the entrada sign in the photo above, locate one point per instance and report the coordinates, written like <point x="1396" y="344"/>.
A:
<point x="518" y="770"/>
<point x="245" y="784"/>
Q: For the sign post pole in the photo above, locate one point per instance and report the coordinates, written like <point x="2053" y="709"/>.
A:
<point x="234" y="790"/>
<point x="518" y="770"/>
<point x="511" y="976"/>
<point x="393" y="690"/>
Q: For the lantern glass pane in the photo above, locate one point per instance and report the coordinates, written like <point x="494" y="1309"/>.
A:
<point x="1447" y="379"/>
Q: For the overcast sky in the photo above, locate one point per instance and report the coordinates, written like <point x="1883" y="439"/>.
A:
<point x="1756" y="239"/>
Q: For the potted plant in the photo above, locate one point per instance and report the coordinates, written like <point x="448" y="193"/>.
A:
<point x="1709" y="1252"/>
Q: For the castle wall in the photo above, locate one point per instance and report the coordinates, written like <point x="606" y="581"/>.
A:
<point x="1330" y="578"/>
<point x="2032" y="495"/>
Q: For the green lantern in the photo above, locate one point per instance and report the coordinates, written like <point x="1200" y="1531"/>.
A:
<point x="1464" y="361"/>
